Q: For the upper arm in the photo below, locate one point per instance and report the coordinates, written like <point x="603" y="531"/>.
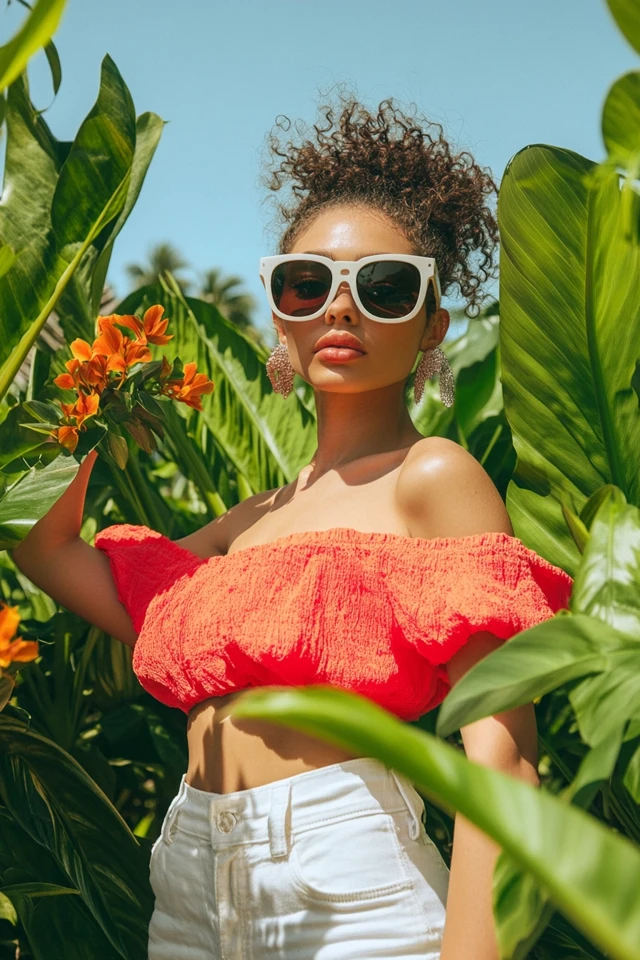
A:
<point x="444" y="492"/>
<point x="78" y="576"/>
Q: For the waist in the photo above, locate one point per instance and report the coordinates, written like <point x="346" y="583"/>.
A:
<point x="360" y="786"/>
<point x="234" y="753"/>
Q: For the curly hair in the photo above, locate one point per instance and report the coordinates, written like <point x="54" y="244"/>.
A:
<point x="400" y="165"/>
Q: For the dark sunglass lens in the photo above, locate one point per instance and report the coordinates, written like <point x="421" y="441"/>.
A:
<point x="300" y="287"/>
<point x="389" y="288"/>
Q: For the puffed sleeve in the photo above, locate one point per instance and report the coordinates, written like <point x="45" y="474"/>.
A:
<point x="144" y="564"/>
<point x="447" y="589"/>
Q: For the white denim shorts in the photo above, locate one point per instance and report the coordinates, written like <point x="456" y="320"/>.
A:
<point x="329" y="864"/>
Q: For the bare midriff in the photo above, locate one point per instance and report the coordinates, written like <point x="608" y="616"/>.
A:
<point x="227" y="754"/>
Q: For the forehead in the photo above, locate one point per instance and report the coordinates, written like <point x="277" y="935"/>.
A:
<point x="348" y="233"/>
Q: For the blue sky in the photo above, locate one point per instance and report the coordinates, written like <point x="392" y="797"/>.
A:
<point x="498" y="75"/>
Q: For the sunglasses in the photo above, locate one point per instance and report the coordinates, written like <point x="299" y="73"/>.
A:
<point x="388" y="287"/>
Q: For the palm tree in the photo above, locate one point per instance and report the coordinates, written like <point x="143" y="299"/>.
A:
<point x="162" y="257"/>
<point x="215" y="288"/>
<point x="222" y="292"/>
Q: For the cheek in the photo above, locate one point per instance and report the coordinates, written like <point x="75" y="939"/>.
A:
<point x="397" y="344"/>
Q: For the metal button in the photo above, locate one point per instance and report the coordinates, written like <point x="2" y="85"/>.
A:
<point x="226" y="821"/>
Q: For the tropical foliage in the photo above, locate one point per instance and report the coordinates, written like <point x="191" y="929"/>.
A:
<point x="224" y="292"/>
<point x="547" y="399"/>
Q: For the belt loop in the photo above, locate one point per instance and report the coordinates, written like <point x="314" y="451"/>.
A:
<point x="178" y="800"/>
<point x="414" y="826"/>
<point x="279" y="818"/>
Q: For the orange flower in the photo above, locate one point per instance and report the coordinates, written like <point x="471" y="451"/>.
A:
<point x="86" y="368"/>
<point x="67" y="436"/>
<point x="190" y="388"/>
<point x="13" y="650"/>
<point x="151" y="329"/>
<point x="85" y="406"/>
<point x="121" y="352"/>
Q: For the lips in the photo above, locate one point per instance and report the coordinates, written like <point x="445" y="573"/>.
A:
<point x="348" y="342"/>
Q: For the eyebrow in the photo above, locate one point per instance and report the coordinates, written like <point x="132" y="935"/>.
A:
<point x="327" y="253"/>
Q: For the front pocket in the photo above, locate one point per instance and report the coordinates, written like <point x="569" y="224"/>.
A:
<point x="357" y="858"/>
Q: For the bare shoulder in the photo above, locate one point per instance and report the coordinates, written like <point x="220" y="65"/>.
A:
<point x="215" y="538"/>
<point x="443" y="491"/>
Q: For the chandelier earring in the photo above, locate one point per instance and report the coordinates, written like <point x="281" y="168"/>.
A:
<point x="432" y="362"/>
<point x="280" y="371"/>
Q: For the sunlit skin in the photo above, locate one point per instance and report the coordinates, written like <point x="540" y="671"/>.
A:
<point x="430" y="487"/>
<point x="360" y="405"/>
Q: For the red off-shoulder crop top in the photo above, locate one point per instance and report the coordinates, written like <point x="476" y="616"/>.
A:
<point x="376" y="613"/>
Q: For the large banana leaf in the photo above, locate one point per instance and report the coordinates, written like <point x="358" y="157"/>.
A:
<point x="54" y="801"/>
<point x="570" y="341"/>
<point x="35" y="33"/>
<point x="57" y="204"/>
<point x="591" y="873"/>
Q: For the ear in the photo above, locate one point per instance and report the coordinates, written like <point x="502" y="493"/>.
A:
<point x="436" y="329"/>
<point x="277" y="322"/>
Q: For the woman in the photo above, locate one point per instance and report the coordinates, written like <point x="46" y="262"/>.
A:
<point x="388" y="567"/>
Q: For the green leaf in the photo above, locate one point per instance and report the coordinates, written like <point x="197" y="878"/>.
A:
<point x="91" y="188"/>
<point x="621" y="118"/>
<point x="31" y="496"/>
<point x="7" y="258"/>
<point x="596" y="768"/>
<point x="632" y="776"/>
<point x="570" y="341"/>
<point x="62" y="809"/>
<point x="7" y="909"/>
<point x="607" y="584"/>
<point x="566" y="850"/>
<point x="521" y="908"/>
<point x="595" y="501"/>
<point x="35" y="33"/>
<point x="38" y="890"/>
<point x="148" y="131"/>
<point x="602" y="704"/>
<point x="626" y="13"/>
<point x="58" y="201"/>
<point x="15" y="438"/>
<point x="53" y="59"/>
<point x="45" y="411"/>
<point x="527" y="666"/>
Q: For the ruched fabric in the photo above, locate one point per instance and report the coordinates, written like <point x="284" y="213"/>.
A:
<point x="379" y="614"/>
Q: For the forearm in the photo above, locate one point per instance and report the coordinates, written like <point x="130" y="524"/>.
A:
<point x="470" y="926"/>
<point x="63" y="521"/>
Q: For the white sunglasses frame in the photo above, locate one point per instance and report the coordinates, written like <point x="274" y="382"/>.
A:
<point x="346" y="270"/>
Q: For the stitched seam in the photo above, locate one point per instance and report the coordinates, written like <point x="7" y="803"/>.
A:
<point x="368" y="894"/>
<point x="367" y="811"/>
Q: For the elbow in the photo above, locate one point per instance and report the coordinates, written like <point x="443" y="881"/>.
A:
<point x="514" y="765"/>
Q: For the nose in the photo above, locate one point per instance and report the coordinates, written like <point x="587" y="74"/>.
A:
<point x="343" y="306"/>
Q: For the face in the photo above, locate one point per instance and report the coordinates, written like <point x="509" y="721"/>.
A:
<point x="349" y="233"/>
